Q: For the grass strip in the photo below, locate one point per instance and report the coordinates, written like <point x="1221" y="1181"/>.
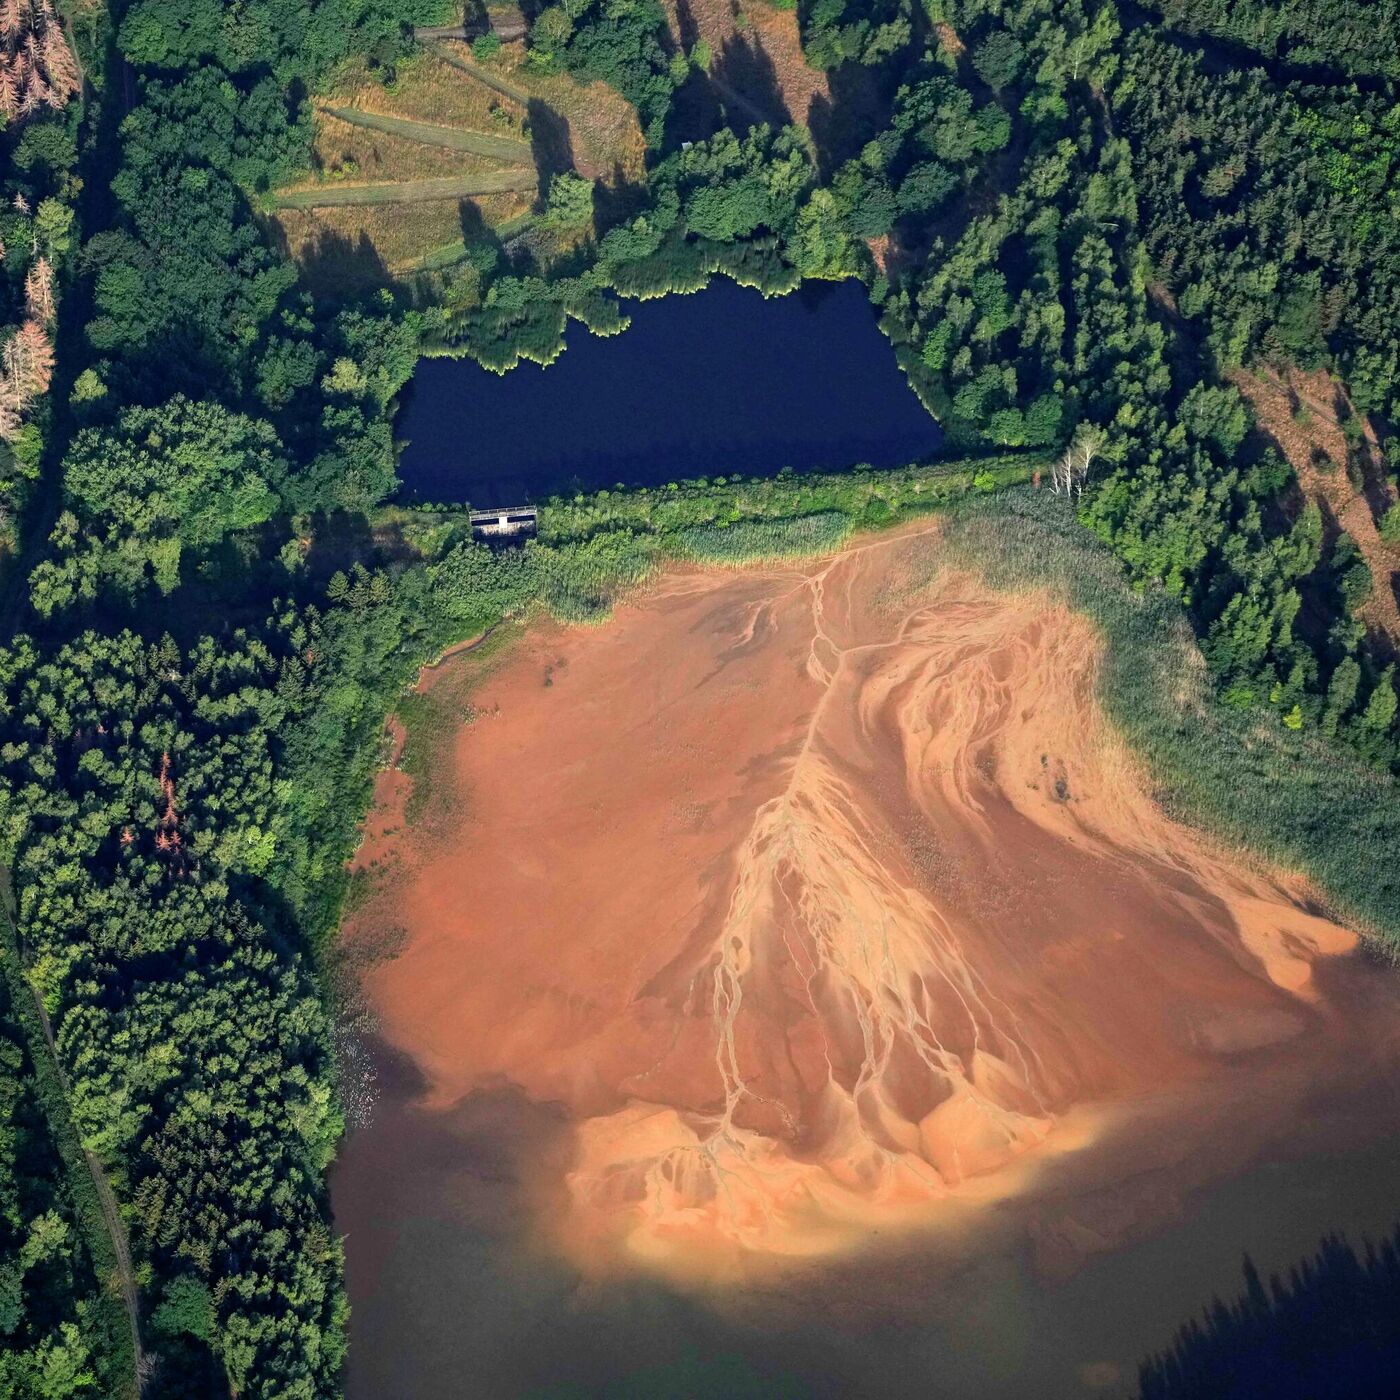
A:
<point x="408" y="191"/>
<point x="490" y="80"/>
<point x="453" y="138"/>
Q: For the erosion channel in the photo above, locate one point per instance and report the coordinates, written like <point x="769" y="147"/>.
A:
<point x="798" y="992"/>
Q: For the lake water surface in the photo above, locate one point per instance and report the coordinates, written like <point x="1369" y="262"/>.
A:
<point x="452" y="1298"/>
<point x="723" y="382"/>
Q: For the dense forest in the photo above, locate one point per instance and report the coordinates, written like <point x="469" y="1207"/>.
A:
<point x="59" y="1334"/>
<point x="1081" y="227"/>
<point x="1343" y="35"/>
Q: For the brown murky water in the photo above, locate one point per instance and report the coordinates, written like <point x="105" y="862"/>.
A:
<point x="810" y="1000"/>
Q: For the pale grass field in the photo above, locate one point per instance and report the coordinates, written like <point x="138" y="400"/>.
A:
<point x="603" y="129"/>
<point x="354" y="247"/>
<point x="441" y="99"/>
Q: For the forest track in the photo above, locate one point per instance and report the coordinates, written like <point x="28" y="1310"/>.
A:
<point x="409" y="191"/>
<point x="450" y="254"/>
<point x="142" y="1363"/>
<point x="426" y="33"/>
<point x="490" y="80"/>
<point x="508" y="26"/>
<point x="107" y="1203"/>
<point x="453" y="138"/>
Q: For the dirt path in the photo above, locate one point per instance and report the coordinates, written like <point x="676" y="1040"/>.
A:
<point x="478" y="143"/>
<point x="107" y="1201"/>
<point x="1318" y="450"/>
<point x="507" y="26"/>
<point x="489" y="80"/>
<point x="428" y="32"/>
<point x="409" y="191"/>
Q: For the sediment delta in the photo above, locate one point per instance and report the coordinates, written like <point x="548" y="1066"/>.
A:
<point x="823" y="904"/>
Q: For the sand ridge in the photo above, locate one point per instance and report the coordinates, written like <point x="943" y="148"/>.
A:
<point x="822" y="897"/>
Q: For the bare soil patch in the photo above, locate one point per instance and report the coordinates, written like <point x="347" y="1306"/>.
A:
<point x="757" y="54"/>
<point x="1300" y="411"/>
<point x="821" y="905"/>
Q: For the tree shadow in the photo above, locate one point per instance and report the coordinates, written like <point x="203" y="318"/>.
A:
<point x="475" y="20"/>
<point x="617" y="200"/>
<point x="476" y="232"/>
<point x="1330" y="1328"/>
<point x="856" y="112"/>
<point x="340" y="539"/>
<point x="695" y="113"/>
<point x="748" y="83"/>
<point x="335" y="266"/>
<point x="687" y="29"/>
<point x="1375" y="485"/>
<point x="551" y="142"/>
<point x="741" y="89"/>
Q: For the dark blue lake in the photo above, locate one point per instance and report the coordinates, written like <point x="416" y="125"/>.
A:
<point x="722" y="382"/>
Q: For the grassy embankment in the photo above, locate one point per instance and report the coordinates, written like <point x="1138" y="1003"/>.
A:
<point x="1282" y="795"/>
<point x="408" y="174"/>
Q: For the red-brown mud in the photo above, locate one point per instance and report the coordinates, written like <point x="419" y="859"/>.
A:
<point x="819" y="904"/>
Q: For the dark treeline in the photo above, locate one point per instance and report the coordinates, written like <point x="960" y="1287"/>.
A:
<point x="1351" y="36"/>
<point x="1330" y="1330"/>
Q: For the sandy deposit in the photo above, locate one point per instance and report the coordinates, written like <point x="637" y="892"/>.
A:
<point x="821" y="902"/>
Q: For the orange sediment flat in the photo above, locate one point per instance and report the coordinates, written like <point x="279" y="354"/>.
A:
<point x="823" y="902"/>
